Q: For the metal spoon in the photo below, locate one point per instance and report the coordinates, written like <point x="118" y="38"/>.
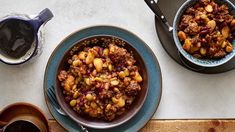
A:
<point x="154" y="7"/>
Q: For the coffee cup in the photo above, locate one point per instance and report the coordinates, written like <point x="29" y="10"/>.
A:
<point x="20" y="37"/>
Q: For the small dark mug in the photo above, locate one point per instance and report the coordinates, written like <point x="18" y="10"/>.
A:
<point x="20" y="37"/>
<point x="24" y="123"/>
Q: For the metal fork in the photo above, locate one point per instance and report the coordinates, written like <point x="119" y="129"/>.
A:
<point x="52" y="98"/>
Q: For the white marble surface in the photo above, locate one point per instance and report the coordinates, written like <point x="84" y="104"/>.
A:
<point x="185" y="94"/>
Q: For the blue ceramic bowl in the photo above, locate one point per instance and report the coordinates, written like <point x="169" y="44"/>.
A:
<point x="189" y="57"/>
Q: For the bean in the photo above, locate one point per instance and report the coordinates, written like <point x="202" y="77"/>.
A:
<point x="89" y="97"/>
<point x="211" y="24"/>
<point x="73" y="102"/>
<point x="209" y="8"/>
<point x="204" y="32"/>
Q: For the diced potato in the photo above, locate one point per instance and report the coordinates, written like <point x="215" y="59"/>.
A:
<point x="138" y="77"/>
<point x="121" y="102"/>
<point x="181" y="35"/>
<point x="82" y="55"/>
<point x="225" y="32"/>
<point x="67" y="87"/>
<point x="229" y="49"/>
<point x="98" y="63"/>
<point x="93" y="105"/>
<point x="126" y="71"/>
<point x="187" y="44"/>
<point x="114" y="100"/>
<point x="224" y="44"/>
<point x="77" y="63"/>
<point x="233" y="23"/>
<point x="121" y="74"/>
<point x="90" y="57"/>
<point x="87" y="81"/>
<point x="106" y="51"/>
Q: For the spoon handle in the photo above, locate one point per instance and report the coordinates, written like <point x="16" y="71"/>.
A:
<point x="154" y="7"/>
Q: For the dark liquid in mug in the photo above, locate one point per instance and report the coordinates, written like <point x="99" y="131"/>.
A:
<point x="21" y="126"/>
<point x="16" y="37"/>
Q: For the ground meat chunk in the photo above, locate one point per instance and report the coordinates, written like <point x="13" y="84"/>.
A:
<point x="63" y="75"/>
<point x="133" y="88"/>
<point x="120" y="55"/>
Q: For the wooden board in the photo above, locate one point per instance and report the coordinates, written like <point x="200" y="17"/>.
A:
<point x="176" y="126"/>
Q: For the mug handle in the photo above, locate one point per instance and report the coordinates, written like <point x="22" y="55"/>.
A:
<point x="43" y="17"/>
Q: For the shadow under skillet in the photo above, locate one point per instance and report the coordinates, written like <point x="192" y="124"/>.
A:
<point x="169" y="9"/>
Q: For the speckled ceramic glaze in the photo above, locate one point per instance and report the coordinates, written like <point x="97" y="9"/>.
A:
<point x="154" y="77"/>
<point x="200" y="62"/>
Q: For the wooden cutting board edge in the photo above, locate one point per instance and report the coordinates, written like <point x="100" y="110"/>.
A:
<point x="172" y="125"/>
